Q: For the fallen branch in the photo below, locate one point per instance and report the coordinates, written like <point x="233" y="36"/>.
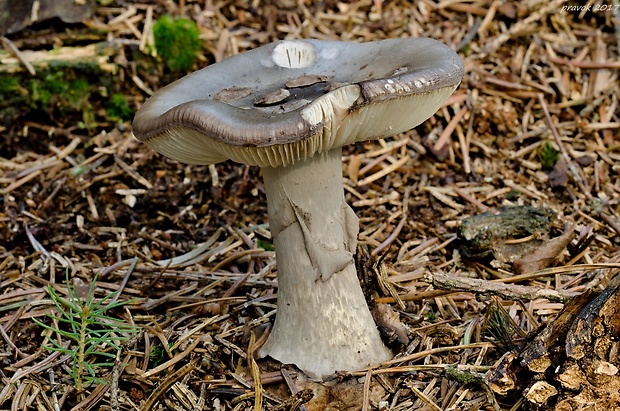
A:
<point x="98" y="55"/>
<point x="506" y="291"/>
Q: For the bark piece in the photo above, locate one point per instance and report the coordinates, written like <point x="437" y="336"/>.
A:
<point x="599" y="320"/>
<point x="558" y="177"/>
<point x="18" y="14"/>
<point x="577" y="355"/>
<point x="481" y="234"/>
<point x="517" y="368"/>
<point x="388" y="321"/>
<point x="540" y="393"/>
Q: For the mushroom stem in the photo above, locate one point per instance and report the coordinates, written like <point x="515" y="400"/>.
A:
<point x="323" y="324"/>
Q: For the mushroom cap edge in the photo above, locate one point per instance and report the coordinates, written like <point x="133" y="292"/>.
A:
<point x="207" y="131"/>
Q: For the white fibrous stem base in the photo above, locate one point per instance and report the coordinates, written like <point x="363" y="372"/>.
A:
<point x="323" y="324"/>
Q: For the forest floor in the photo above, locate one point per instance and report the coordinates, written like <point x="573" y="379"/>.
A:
<point x="533" y="127"/>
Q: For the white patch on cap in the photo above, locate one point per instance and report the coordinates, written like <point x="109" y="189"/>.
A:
<point x="294" y="54"/>
<point x="267" y="62"/>
<point x="400" y="71"/>
<point x="329" y="53"/>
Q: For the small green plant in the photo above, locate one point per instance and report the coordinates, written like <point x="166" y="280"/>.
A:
<point x="158" y="355"/>
<point x="265" y="245"/>
<point x="431" y="316"/>
<point x="513" y="195"/>
<point x="501" y="327"/>
<point x="547" y="155"/>
<point x="177" y="42"/>
<point x="86" y="333"/>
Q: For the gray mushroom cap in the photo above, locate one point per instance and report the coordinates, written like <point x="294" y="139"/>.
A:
<point x="284" y="102"/>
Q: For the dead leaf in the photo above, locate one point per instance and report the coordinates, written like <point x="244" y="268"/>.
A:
<point x="388" y="321"/>
<point x="558" y="177"/>
<point x="544" y="255"/>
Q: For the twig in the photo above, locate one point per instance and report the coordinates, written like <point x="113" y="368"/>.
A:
<point x="134" y="262"/>
<point x="388" y="241"/>
<point x="417" y="296"/>
<point x="447" y="132"/>
<point x="437" y="193"/>
<point x="425" y="399"/>
<point x="613" y="223"/>
<point x="470" y="199"/>
<point x="198" y="254"/>
<point x="418" y="356"/>
<point x="558" y="270"/>
<point x="292" y="388"/>
<point x="46" y="364"/>
<point x="587" y="64"/>
<point x="365" y="399"/>
<point x="116" y="371"/>
<point x="20" y="56"/>
<point x="133" y="173"/>
<point x="93" y="398"/>
<point x="16" y="184"/>
<point x="389" y="169"/>
<point x="53" y="390"/>
<point x="506" y="291"/>
<point x="574" y="169"/>
<point x="200" y="404"/>
<point x="470" y="34"/>
<point x="11" y="343"/>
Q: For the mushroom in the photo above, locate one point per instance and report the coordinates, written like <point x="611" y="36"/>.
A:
<point x="289" y="107"/>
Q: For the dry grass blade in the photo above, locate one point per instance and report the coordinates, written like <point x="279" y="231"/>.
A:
<point x="560" y="270"/>
<point x="429" y="403"/>
<point x="180" y="356"/>
<point x="198" y="254"/>
<point x="255" y="372"/>
<point x="165" y="384"/>
<point x="365" y="400"/>
<point x="91" y="401"/>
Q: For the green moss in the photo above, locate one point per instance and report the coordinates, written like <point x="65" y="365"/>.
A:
<point x="40" y="93"/>
<point x="8" y="84"/>
<point x="55" y="89"/>
<point x="77" y="93"/>
<point x="464" y="377"/>
<point x="118" y="108"/>
<point x="177" y="42"/>
<point x="68" y="96"/>
<point x="11" y="95"/>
